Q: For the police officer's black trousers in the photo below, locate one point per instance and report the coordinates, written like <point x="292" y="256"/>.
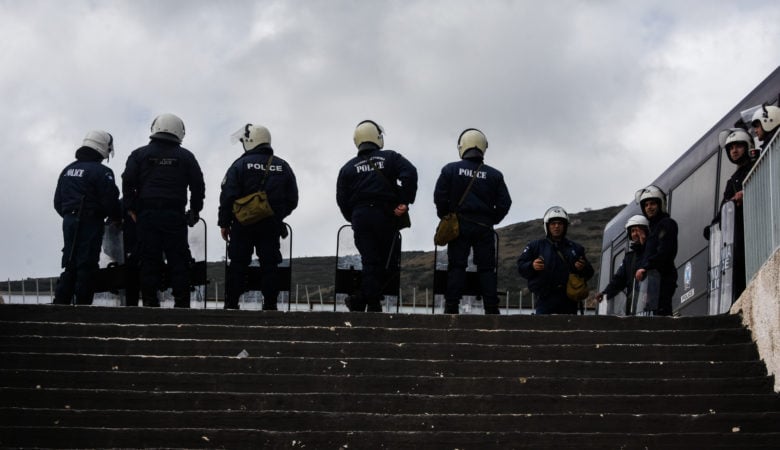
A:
<point x="83" y="239"/>
<point x="375" y="234"/>
<point x="161" y="233"/>
<point x="262" y="237"/>
<point x="482" y="240"/>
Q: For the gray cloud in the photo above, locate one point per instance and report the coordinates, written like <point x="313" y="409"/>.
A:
<point x="582" y="102"/>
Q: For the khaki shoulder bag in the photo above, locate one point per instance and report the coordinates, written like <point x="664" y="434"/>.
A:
<point x="449" y="228"/>
<point x="254" y="207"/>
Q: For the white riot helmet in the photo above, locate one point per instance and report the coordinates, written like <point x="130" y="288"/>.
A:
<point x="472" y="138"/>
<point x="168" y="127"/>
<point x="736" y="135"/>
<point x="648" y="193"/>
<point x="251" y="136"/>
<point x="767" y="116"/>
<point x="637" y="220"/>
<point x="100" y="141"/>
<point x="556" y="213"/>
<point x="369" y="131"/>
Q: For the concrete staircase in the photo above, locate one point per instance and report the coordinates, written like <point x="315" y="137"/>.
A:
<point x="97" y="377"/>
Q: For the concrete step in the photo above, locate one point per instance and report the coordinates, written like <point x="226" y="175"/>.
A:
<point x="124" y="437"/>
<point x="759" y="422"/>
<point x="431" y="385"/>
<point x="340" y="333"/>
<point x="383" y="366"/>
<point x="364" y="349"/>
<point x="139" y="315"/>
<point x="389" y="403"/>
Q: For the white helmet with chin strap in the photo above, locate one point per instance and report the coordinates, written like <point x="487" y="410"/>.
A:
<point x="767" y="116"/>
<point x="100" y="141"/>
<point x="251" y="136"/>
<point x="733" y="136"/>
<point x="651" y="192"/>
<point x="472" y="138"/>
<point x="168" y="127"/>
<point x="369" y="131"/>
<point x="555" y="213"/>
<point x="637" y="221"/>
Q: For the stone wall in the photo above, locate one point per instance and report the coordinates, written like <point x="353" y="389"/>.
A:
<point x="760" y="309"/>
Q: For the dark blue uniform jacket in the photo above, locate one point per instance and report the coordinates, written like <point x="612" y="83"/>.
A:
<point x="556" y="272"/>
<point x="88" y="178"/>
<point x="245" y="176"/>
<point x="359" y="185"/>
<point x="623" y="278"/>
<point x="487" y="201"/>
<point x="661" y="247"/>
<point x="157" y="176"/>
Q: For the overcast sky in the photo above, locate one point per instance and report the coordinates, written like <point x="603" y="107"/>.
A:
<point x="583" y="102"/>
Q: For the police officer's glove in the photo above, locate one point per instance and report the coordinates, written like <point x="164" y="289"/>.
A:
<point x="283" y="230"/>
<point x="192" y="218"/>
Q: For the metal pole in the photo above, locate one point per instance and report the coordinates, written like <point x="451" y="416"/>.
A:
<point x="520" y="305"/>
<point x="37" y="292"/>
<point x="24" y="294"/>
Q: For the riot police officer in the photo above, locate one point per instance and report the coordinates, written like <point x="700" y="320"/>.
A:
<point x="86" y="195"/>
<point x="373" y="191"/>
<point x="765" y="123"/>
<point x="660" y="247"/>
<point x="546" y="264"/>
<point x="155" y="183"/>
<point x="637" y="229"/>
<point x="738" y="146"/>
<point x="485" y="204"/>
<point x="257" y="169"/>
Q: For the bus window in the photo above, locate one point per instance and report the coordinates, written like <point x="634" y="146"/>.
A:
<point x="692" y="207"/>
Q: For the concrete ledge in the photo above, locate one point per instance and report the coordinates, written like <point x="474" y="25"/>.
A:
<point x="759" y="306"/>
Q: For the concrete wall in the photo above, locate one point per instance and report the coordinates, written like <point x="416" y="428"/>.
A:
<point x="760" y="309"/>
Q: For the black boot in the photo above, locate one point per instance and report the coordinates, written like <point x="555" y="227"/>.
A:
<point x="181" y="302"/>
<point x="492" y="309"/>
<point x="268" y="306"/>
<point x="355" y="303"/>
<point x="452" y="307"/>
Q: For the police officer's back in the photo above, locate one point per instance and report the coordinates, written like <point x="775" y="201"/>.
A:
<point x="155" y="183"/>
<point x="85" y="196"/>
<point x="486" y="203"/>
<point x="259" y="168"/>
<point x="374" y="189"/>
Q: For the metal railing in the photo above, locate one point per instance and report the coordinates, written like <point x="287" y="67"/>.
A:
<point x="762" y="209"/>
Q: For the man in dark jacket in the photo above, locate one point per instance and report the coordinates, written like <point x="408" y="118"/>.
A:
<point x="637" y="229"/>
<point x="546" y="264"/>
<point x="258" y="169"/>
<point x="485" y="204"/>
<point x="661" y="246"/>
<point x="373" y="192"/>
<point x="738" y="145"/>
<point x="154" y="185"/>
<point x="86" y="195"/>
